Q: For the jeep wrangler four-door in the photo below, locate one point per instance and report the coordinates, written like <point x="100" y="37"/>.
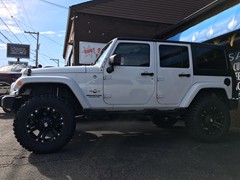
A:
<point x="167" y="81"/>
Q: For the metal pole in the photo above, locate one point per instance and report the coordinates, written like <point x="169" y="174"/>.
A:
<point x="37" y="47"/>
<point x="55" y="61"/>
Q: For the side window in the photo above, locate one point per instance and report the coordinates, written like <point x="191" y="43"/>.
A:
<point x="210" y="58"/>
<point x="174" y="56"/>
<point x="133" y="54"/>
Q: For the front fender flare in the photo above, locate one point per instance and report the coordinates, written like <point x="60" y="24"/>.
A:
<point x="77" y="91"/>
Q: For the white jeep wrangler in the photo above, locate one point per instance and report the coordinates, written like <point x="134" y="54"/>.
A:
<point x="165" y="80"/>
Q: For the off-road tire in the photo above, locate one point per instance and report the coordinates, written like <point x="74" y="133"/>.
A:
<point x="44" y="124"/>
<point x="208" y="119"/>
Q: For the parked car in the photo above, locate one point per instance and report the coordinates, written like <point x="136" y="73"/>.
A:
<point x="9" y="74"/>
<point x="166" y="81"/>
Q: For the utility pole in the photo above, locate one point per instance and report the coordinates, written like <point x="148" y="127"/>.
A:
<point x="37" y="47"/>
<point x="56" y="61"/>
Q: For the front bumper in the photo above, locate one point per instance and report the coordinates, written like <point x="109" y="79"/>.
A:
<point x="1" y="100"/>
<point x="7" y="101"/>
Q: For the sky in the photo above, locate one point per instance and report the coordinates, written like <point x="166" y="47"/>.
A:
<point x="17" y="16"/>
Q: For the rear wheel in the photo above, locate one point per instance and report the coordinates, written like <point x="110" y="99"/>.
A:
<point x="44" y="124"/>
<point x="208" y="119"/>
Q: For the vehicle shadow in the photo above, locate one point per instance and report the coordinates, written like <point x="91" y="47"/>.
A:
<point x="139" y="151"/>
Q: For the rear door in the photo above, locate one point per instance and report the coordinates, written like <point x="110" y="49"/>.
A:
<point x="174" y="75"/>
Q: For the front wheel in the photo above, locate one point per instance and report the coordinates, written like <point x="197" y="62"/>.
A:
<point x="44" y="124"/>
<point x="208" y="119"/>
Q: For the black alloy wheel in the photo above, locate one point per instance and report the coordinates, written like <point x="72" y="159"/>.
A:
<point x="208" y="119"/>
<point x="212" y="120"/>
<point x="44" y="124"/>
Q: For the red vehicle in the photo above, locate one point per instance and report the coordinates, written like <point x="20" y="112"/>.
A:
<point x="9" y="74"/>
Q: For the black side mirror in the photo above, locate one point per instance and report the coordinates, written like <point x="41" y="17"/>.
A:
<point x="113" y="61"/>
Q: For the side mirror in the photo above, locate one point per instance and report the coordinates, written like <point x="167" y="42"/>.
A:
<point x="113" y="61"/>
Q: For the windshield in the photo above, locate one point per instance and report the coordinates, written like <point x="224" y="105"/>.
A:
<point x="102" y="53"/>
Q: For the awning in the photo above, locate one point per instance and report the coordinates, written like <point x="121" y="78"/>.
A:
<point x="220" y="24"/>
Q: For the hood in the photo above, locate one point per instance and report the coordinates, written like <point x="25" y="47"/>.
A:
<point x="61" y="70"/>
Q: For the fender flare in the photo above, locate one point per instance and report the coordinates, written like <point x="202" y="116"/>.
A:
<point x="74" y="87"/>
<point x="196" y="88"/>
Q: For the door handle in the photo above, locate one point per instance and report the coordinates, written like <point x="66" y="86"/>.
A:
<point x="147" y="74"/>
<point x="184" y="75"/>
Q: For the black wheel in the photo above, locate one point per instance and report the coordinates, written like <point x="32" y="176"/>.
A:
<point x="44" y="124"/>
<point x="208" y="119"/>
<point x="164" y="121"/>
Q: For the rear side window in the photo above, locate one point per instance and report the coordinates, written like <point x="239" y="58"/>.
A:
<point x="172" y="56"/>
<point x="134" y="54"/>
<point x="210" y="58"/>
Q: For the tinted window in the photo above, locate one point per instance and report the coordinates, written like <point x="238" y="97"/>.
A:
<point x="174" y="56"/>
<point x="210" y="58"/>
<point x="133" y="54"/>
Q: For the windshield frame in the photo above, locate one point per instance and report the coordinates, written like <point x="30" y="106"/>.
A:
<point x="103" y="53"/>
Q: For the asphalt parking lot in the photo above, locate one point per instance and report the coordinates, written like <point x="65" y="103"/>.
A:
<point x="122" y="149"/>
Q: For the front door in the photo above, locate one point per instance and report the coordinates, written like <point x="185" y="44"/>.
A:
<point x="132" y="81"/>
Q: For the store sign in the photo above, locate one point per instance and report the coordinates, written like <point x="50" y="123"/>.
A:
<point x="18" y="50"/>
<point x="234" y="58"/>
<point x="89" y="52"/>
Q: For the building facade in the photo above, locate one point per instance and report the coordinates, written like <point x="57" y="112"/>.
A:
<point x="99" y="21"/>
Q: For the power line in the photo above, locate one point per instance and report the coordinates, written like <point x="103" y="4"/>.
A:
<point x="33" y="37"/>
<point x="52" y="40"/>
<point x="41" y="34"/>
<point x="37" y="46"/>
<point x="34" y="54"/>
<point x="57" y="5"/>
<point x="9" y="34"/>
<point x="45" y="55"/>
<point x="14" y="20"/>
<point x="10" y="30"/>
<point x="5" y="37"/>
<point x="56" y="61"/>
<point x="24" y="9"/>
<point x="46" y="61"/>
<point x="2" y="41"/>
